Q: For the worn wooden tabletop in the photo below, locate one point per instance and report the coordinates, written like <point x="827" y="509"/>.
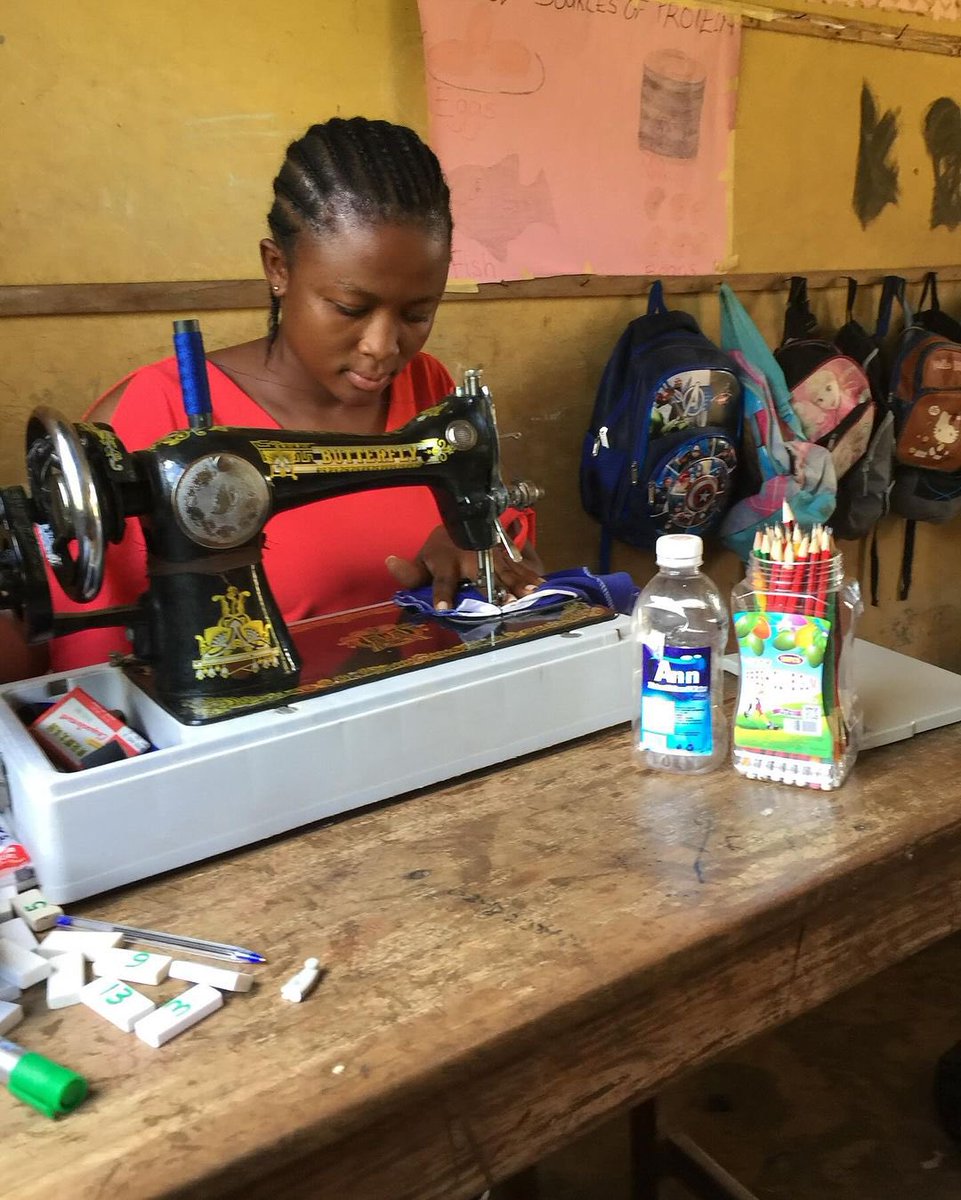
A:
<point x="510" y="958"/>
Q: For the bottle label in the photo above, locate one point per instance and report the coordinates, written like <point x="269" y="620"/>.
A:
<point x="676" y="699"/>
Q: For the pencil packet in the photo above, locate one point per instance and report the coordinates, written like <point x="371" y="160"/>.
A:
<point x="797" y="718"/>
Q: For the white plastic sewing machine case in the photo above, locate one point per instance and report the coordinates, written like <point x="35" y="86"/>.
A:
<point x="211" y="788"/>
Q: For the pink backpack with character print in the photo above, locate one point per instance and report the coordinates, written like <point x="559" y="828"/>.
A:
<point x="830" y="392"/>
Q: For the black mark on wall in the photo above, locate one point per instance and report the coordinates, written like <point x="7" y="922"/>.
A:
<point x="942" y="136"/>
<point x="876" y="179"/>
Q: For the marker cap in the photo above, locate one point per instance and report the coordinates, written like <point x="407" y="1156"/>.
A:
<point x="46" y="1086"/>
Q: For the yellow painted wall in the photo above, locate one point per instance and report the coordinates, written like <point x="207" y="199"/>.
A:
<point x="795" y="146"/>
<point x="130" y="157"/>
<point x="145" y="136"/>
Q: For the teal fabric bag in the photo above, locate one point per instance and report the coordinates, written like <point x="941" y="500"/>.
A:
<point x="783" y="463"/>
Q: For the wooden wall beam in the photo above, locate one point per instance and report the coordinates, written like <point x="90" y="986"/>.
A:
<point x="75" y="299"/>
<point x="868" y="33"/>
<point x="78" y="299"/>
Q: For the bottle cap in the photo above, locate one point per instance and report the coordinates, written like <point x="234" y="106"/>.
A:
<point x="679" y="550"/>
<point x="46" y="1086"/>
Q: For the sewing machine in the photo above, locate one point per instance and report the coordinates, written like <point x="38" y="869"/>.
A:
<point x="258" y="728"/>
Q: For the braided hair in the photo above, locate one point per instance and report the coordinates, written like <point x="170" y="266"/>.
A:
<point x="353" y="167"/>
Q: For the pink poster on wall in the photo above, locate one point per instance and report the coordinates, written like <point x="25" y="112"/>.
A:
<point x="582" y="136"/>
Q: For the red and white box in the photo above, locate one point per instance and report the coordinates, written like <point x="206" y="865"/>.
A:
<point x="16" y="869"/>
<point x="77" y="732"/>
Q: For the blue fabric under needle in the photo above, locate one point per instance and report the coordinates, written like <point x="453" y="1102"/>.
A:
<point x="617" y="591"/>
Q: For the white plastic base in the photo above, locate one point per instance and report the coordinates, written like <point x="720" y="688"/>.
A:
<point x="208" y="789"/>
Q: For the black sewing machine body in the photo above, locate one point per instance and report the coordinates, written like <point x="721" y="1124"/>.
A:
<point x="208" y="626"/>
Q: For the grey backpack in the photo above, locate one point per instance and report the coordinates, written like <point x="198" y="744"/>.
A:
<point x="864" y="492"/>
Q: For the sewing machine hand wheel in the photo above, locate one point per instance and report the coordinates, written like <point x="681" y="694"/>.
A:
<point x="66" y="504"/>
<point x="23" y="580"/>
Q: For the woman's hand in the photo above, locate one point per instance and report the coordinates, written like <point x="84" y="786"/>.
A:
<point x="445" y="565"/>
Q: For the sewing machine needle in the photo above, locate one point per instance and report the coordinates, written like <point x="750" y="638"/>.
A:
<point x="486" y="569"/>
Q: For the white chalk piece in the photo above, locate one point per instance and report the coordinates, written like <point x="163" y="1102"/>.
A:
<point x="36" y="910"/>
<point x="66" y="980"/>
<point x="17" y="930"/>
<point x="9" y="992"/>
<point x="179" y="1014"/>
<point x="90" y="944"/>
<point x="10" y="1015"/>
<point x="303" y="982"/>
<point x="134" y="966"/>
<point x="118" y="1002"/>
<point x="218" y="977"/>
<point x="20" y="966"/>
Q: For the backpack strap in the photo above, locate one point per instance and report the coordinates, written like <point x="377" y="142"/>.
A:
<point x="907" y="560"/>
<point x="604" y="550"/>
<point x="875" y="567"/>
<point x="655" y="298"/>
<point x="852" y="296"/>
<point x="799" y="321"/>
<point x="930" y="287"/>
<point x="892" y="289"/>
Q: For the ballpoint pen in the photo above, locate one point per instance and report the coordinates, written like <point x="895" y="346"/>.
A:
<point x="174" y="940"/>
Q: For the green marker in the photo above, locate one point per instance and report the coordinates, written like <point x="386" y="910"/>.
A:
<point x="48" y="1087"/>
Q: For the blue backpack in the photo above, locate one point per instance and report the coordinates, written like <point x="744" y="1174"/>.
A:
<point x="660" y="453"/>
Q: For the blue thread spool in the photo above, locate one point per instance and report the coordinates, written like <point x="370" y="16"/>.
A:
<point x="192" y="366"/>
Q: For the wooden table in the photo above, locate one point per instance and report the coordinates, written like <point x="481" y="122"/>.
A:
<point x="512" y="958"/>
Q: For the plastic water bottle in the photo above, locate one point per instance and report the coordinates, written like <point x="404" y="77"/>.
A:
<point x="680" y="634"/>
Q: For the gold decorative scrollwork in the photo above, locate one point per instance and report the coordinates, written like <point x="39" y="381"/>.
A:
<point x="109" y="442"/>
<point x="385" y="637"/>
<point x="238" y="643"/>
<point x="176" y="436"/>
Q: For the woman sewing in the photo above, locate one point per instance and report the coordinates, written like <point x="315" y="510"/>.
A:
<point x="356" y="265"/>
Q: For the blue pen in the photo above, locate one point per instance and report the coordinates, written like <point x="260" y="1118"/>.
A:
<point x="152" y="937"/>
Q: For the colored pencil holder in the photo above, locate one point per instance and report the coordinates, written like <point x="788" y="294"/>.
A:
<point x="798" y="719"/>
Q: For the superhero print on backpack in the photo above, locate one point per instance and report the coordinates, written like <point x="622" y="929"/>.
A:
<point x="661" y="451"/>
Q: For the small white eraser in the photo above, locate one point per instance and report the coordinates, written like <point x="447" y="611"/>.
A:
<point x="303" y="982"/>
<point x="36" y="909"/>
<point x="17" y="930"/>
<point x="9" y="992"/>
<point x="218" y="977"/>
<point x="135" y="966"/>
<point x="90" y="943"/>
<point x="20" y="966"/>
<point x="118" y="1002"/>
<point x="179" y="1014"/>
<point x="66" y="980"/>
<point x="10" y="1015"/>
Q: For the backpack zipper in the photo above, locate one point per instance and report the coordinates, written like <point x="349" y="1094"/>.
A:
<point x="600" y="440"/>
